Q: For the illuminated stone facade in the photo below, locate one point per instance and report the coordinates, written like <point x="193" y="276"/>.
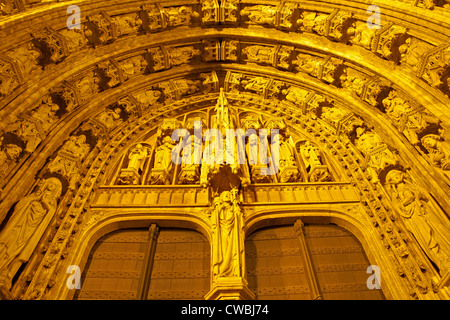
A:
<point x="85" y="157"/>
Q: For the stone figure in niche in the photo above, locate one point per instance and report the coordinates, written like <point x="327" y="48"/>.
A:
<point x="317" y="170"/>
<point x="361" y="35"/>
<point x="296" y="95"/>
<point x="131" y="175"/>
<point x="257" y="84"/>
<point x="419" y="217"/>
<point x="259" y="53"/>
<point x="88" y="86"/>
<point x="288" y="170"/>
<point x="353" y="83"/>
<point x="308" y="64"/>
<point x="25" y="228"/>
<point x="178" y="15"/>
<point x="260" y="14"/>
<point x="28" y="55"/>
<point x="186" y="87"/>
<point x="438" y="150"/>
<point x="137" y="157"/>
<point x="76" y="146"/>
<point x="74" y="39"/>
<point x="182" y="55"/>
<point x="333" y="115"/>
<point x="377" y="154"/>
<point x="45" y="113"/>
<point x="8" y="156"/>
<point x="313" y="21"/>
<point x="133" y="66"/>
<point x="190" y="166"/>
<point x="148" y="98"/>
<point x="29" y="131"/>
<point x="163" y="164"/>
<point x="409" y="120"/>
<point x="226" y="228"/>
<point x="127" y="24"/>
<point x="110" y="118"/>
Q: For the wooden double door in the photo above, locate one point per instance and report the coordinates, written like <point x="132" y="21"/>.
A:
<point x="329" y="264"/>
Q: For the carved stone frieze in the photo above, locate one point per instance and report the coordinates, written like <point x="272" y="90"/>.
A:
<point x="277" y="56"/>
<point x="219" y="12"/>
<point x="283" y="16"/>
<point x="377" y="154"/>
<point x="409" y="118"/>
<point x="8" y="7"/>
<point x="52" y="45"/>
<point x="333" y="26"/>
<point x="155" y="17"/>
<point x="100" y="29"/>
<point x="438" y="150"/>
<point x="327" y="69"/>
<point x="11" y="75"/>
<point x="220" y="50"/>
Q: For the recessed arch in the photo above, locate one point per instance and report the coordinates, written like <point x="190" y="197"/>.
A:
<point x="329" y="88"/>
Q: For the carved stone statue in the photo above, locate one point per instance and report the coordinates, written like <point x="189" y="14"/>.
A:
<point x="317" y="171"/>
<point x="76" y="146"/>
<point x="419" y="218"/>
<point x="110" y="118"/>
<point x="25" y="228"/>
<point x="30" y="131"/>
<point x="182" y="55"/>
<point x="163" y="164"/>
<point x="148" y="98"/>
<point x="28" y="55"/>
<point x="377" y="154"/>
<point x="8" y="157"/>
<point x="353" y="83"/>
<point x="308" y="64"/>
<point x="296" y="95"/>
<point x="258" y="53"/>
<point x="132" y="173"/>
<point x="438" y="150"/>
<point x="127" y="24"/>
<point x="288" y="170"/>
<point x="333" y="115"/>
<point x="88" y="85"/>
<point x="409" y="120"/>
<point x="133" y="66"/>
<point x="226" y="229"/>
<point x="260" y="14"/>
<point x="313" y="21"/>
<point x="175" y="16"/>
<point x="257" y="84"/>
<point x="361" y="35"/>
<point x="45" y="113"/>
<point x="136" y="157"/>
<point x="412" y="51"/>
<point x="190" y="167"/>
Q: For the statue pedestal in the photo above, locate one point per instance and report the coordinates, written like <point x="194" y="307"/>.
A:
<point x="233" y="288"/>
<point x="129" y="177"/>
<point x="319" y="173"/>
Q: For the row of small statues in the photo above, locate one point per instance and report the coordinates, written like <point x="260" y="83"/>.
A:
<point x="161" y="172"/>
